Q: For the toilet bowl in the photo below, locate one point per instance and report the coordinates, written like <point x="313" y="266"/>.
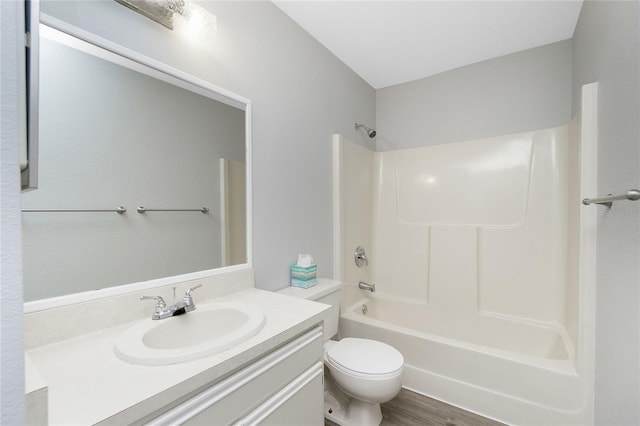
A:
<point x="362" y="373"/>
<point x="369" y="372"/>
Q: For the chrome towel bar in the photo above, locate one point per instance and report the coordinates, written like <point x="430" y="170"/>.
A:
<point x="142" y="210"/>
<point x="631" y="195"/>
<point x="119" y="210"/>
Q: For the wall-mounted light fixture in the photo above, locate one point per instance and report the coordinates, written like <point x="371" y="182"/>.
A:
<point x="187" y="16"/>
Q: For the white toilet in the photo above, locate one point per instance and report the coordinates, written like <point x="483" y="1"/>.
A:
<point x="366" y="372"/>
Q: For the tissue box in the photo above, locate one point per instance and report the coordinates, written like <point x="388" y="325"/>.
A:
<point x="304" y="276"/>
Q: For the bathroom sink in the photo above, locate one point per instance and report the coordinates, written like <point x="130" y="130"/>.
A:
<point x="208" y="330"/>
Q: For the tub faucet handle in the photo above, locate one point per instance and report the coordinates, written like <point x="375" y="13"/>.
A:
<point x="360" y="257"/>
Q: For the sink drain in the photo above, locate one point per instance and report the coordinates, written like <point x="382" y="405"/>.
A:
<point x="364" y="309"/>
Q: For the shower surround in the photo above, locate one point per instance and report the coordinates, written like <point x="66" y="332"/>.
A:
<point x="476" y="251"/>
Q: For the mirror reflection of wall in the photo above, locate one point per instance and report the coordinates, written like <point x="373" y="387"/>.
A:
<point x="111" y="136"/>
<point x="233" y="204"/>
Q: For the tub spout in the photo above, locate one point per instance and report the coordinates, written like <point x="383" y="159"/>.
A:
<point x="366" y="286"/>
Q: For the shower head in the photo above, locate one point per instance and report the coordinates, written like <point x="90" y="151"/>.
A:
<point x="370" y="132"/>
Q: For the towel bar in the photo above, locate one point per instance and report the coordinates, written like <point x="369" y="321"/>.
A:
<point x="119" y="210"/>
<point x="142" y="210"/>
<point x="631" y="195"/>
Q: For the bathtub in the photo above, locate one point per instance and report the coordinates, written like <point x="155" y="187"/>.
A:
<point x="484" y="264"/>
<point x="516" y="372"/>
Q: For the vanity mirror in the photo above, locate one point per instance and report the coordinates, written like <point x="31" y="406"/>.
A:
<point x="117" y="129"/>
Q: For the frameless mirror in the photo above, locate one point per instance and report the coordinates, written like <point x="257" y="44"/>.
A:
<point x="115" y="133"/>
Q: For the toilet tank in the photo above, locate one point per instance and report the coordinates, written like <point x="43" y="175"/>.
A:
<point x="326" y="291"/>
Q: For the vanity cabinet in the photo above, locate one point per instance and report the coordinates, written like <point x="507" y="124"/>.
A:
<point x="283" y="387"/>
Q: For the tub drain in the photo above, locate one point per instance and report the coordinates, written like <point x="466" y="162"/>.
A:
<point x="364" y="309"/>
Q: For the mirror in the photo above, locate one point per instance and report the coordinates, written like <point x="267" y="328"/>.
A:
<point x="114" y="133"/>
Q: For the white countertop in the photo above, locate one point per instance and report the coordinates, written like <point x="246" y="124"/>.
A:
<point x="88" y="384"/>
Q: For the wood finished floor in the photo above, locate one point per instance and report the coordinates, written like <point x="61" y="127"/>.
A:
<point x="412" y="409"/>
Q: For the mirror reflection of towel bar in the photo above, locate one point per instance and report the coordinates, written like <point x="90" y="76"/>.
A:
<point x="142" y="210"/>
<point x="631" y="195"/>
<point x="119" y="210"/>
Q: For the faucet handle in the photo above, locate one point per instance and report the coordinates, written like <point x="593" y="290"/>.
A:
<point x="188" y="300"/>
<point x="160" y="303"/>
<point x="188" y="292"/>
<point x="360" y="257"/>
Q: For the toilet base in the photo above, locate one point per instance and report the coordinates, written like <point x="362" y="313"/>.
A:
<point x="351" y="412"/>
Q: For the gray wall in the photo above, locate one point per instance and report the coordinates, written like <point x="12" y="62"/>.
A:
<point x="11" y="349"/>
<point x="301" y="95"/>
<point x="519" y="92"/>
<point x="605" y="49"/>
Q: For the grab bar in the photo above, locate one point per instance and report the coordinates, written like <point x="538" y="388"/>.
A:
<point x="119" y="210"/>
<point x="142" y="210"/>
<point x="631" y="195"/>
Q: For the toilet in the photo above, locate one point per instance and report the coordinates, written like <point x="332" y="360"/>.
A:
<point x="363" y="373"/>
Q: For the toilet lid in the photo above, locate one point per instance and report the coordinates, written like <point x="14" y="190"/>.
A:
<point x="365" y="356"/>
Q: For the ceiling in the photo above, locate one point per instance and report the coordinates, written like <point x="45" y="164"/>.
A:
<point x="392" y="42"/>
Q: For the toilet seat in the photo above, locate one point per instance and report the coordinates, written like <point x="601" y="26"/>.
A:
<point x="365" y="357"/>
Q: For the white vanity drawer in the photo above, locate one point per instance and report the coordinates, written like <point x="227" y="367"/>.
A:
<point x="231" y="398"/>
<point x="300" y="403"/>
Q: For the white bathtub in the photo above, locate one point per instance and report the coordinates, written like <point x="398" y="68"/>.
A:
<point x="514" y="372"/>
<point x="484" y="264"/>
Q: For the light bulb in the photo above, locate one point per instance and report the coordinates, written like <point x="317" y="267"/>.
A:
<point x="195" y="22"/>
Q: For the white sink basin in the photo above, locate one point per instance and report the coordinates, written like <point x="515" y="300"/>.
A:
<point x="208" y="330"/>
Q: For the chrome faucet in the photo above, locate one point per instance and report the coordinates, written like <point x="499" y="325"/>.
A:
<point x="182" y="307"/>
<point x="366" y="286"/>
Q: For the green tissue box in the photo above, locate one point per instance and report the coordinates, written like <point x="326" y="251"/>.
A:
<point x="304" y="276"/>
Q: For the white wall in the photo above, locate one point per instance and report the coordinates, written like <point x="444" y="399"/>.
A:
<point x="11" y="349"/>
<point x="356" y="187"/>
<point x="301" y="95"/>
<point x="499" y="246"/>
<point x="606" y="49"/>
<point x="520" y="92"/>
